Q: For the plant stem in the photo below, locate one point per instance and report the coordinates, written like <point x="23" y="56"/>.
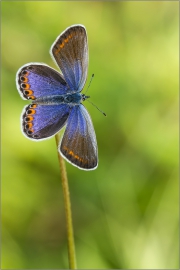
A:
<point x="67" y="203"/>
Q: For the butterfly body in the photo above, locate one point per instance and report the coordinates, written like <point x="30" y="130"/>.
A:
<point x="71" y="99"/>
<point x="57" y="99"/>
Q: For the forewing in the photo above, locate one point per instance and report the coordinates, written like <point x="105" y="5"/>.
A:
<point x="70" y="51"/>
<point x="36" y="80"/>
<point x="79" y="144"/>
<point x="43" y="121"/>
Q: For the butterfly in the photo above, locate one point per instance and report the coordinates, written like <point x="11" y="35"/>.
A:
<point x="57" y="99"/>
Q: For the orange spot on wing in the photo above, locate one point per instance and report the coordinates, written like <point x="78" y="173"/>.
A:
<point x="23" y="79"/>
<point x="29" y="125"/>
<point x="71" y="153"/>
<point x="31" y="111"/>
<point x="33" y="106"/>
<point x="25" y="86"/>
<point x="25" y="72"/>
<point x="32" y="97"/>
<point x="30" y="119"/>
<point x="28" y="92"/>
<point x="63" y="43"/>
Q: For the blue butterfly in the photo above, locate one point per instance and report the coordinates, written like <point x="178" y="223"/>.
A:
<point x="57" y="99"/>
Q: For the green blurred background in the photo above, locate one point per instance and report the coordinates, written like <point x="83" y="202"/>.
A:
<point x="125" y="213"/>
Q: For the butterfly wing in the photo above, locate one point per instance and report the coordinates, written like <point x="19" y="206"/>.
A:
<point x="43" y="121"/>
<point x="70" y="51"/>
<point x="35" y="80"/>
<point x="79" y="144"/>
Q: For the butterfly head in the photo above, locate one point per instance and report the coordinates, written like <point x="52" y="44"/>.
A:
<point x="84" y="97"/>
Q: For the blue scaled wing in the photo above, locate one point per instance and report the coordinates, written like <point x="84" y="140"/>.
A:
<point x="43" y="121"/>
<point x="35" y="80"/>
<point x="70" y="51"/>
<point x="79" y="144"/>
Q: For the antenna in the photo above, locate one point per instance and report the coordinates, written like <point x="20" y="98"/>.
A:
<point x="96" y="107"/>
<point x="89" y="83"/>
<point x="88" y="96"/>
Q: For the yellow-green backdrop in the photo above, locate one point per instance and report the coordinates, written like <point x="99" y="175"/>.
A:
<point x="125" y="213"/>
